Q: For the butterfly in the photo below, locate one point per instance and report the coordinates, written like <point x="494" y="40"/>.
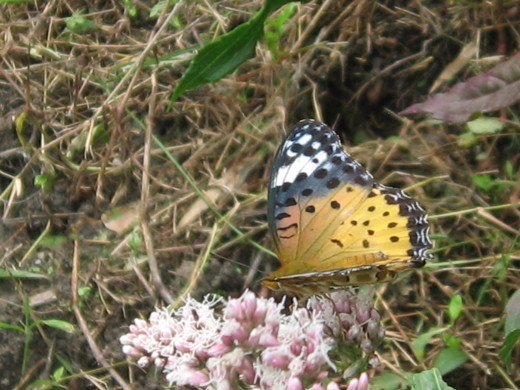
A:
<point x="332" y="225"/>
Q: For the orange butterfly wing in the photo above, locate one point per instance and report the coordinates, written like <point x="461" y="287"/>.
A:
<point x="331" y="224"/>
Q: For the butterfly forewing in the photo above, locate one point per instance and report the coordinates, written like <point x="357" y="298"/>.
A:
<point x="307" y="176"/>
<point x="331" y="224"/>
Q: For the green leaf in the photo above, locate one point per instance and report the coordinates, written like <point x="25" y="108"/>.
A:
<point x="135" y="241"/>
<point x="273" y="5"/>
<point x="4" y="325"/>
<point x="509" y="170"/>
<point x="390" y="381"/>
<point x="484" y="182"/>
<point x="226" y="53"/>
<point x="509" y="345"/>
<point x="512" y="312"/>
<point x="79" y="24"/>
<point x="85" y="292"/>
<point x="283" y="16"/>
<point x="65" y="363"/>
<point x="44" y="181"/>
<point x="429" y="380"/>
<point x="419" y="344"/>
<point x="58" y="374"/>
<point x="132" y="9"/>
<point x="60" y="325"/>
<point x="485" y="125"/>
<point x="449" y="359"/>
<point x="222" y="56"/>
<point x="156" y="9"/>
<point x="467" y="139"/>
<point x="276" y="28"/>
<point x="455" y="308"/>
<point x="53" y="240"/>
<point x="451" y="341"/>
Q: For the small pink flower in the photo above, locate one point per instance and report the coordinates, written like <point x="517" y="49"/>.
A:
<point x="332" y="386"/>
<point x="295" y="384"/>
<point x="218" y="350"/>
<point x="187" y="376"/>
<point x="249" y="304"/>
<point x="360" y="383"/>
<point x="268" y="339"/>
<point x="232" y="332"/>
<point x="143" y="362"/>
<point x="275" y="357"/>
<point x="247" y="370"/>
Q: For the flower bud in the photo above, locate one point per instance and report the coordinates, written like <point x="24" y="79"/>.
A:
<point x="295" y="384"/>
<point x="248" y="303"/>
<point x="248" y="371"/>
<point x="276" y="358"/>
<point x="332" y="386"/>
<point x="218" y="350"/>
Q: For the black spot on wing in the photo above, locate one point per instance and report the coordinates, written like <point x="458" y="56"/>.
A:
<point x="337" y="242"/>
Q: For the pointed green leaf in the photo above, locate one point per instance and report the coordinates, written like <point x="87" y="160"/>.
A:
<point x="455" y="308"/>
<point x="226" y="53"/>
<point x="449" y="359"/>
<point x="59" y="324"/>
<point x="485" y="126"/>
<point x="222" y="56"/>
<point x="429" y="380"/>
<point x="509" y="345"/>
<point x="419" y="344"/>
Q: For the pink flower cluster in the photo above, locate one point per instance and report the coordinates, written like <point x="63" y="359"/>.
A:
<point x="352" y="321"/>
<point x="351" y="317"/>
<point x="251" y="344"/>
<point x="178" y="342"/>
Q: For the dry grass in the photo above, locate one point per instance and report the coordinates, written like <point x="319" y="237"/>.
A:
<point x="90" y="108"/>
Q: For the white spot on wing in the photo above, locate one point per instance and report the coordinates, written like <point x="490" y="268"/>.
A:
<point x="302" y="164"/>
<point x="289" y="153"/>
<point x="321" y="157"/>
<point x="304" y="139"/>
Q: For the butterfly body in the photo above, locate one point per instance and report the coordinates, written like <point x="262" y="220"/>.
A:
<point x="332" y="225"/>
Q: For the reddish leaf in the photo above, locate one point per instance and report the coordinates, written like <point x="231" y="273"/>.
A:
<point x="499" y="87"/>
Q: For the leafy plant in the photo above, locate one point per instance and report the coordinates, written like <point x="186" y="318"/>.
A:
<point x="79" y="24"/>
<point x="276" y="28"/>
<point x="478" y="127"/>
<point x="44" y="181"/>
<point x="226" y="53"/>
<point x="429" y="380"/>
<point x="131" y="8"/>
<point x="492" y="186"/>
<point x="30" y="323"/>
<point x="451" y="356"/>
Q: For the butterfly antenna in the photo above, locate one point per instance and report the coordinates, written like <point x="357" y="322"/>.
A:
<point x="254" y="266"/>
